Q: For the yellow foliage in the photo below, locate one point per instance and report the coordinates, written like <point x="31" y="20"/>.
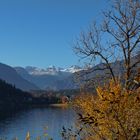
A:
<point x="112" y="114"/>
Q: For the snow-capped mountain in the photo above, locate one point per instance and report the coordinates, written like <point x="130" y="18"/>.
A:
<point x="72" y="69"/>
<point x="52" y="70"/>
<point x="51" y="77"/>
<point x="39" y="71"/>
<point x="66" y="78"/>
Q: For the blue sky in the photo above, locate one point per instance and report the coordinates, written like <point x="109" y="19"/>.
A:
<point x="41" y="32"/>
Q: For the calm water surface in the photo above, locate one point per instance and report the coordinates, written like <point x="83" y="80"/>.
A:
<point x="34" y="120"/>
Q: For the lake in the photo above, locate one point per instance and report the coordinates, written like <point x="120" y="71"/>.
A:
<point x="36" y="121"/>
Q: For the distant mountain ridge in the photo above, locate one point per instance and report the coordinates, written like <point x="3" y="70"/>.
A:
<point x="51" y="78"/>
<point x="52" y="70"/>
<point x="10" y="75"/>
<point x="56" y="78"/>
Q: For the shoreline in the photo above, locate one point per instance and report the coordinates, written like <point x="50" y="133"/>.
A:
<point x="59" y="105"/>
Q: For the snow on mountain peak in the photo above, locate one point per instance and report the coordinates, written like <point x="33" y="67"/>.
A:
<point x="73" y="69"/>
<point x="52" y="70"/>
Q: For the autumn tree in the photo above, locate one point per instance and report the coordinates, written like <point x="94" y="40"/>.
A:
<point x="114" y="112"/>
<point x="111" y="115"/>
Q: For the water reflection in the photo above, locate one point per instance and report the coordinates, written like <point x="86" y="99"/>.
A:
<point x="35" y="120"/>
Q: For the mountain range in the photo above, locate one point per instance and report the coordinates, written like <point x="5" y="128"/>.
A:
<point x="33" y="78"/>
<point x="53" y="78"/>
